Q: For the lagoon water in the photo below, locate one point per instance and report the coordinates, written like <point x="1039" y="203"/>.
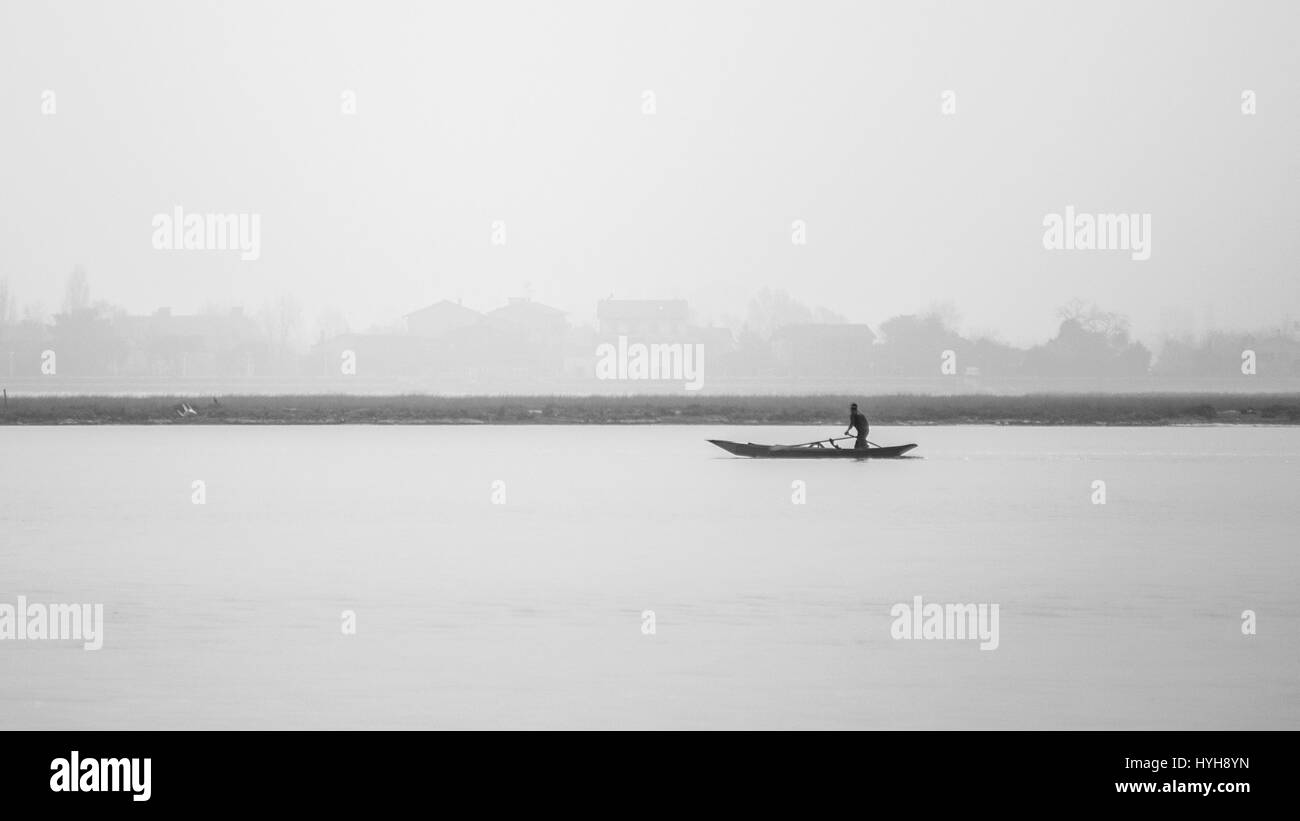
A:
<point x="767" y="613"/>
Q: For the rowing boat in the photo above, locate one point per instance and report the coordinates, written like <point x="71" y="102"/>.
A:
<point x="814" y="450"/>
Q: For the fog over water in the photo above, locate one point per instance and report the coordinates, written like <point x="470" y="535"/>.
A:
<point x="759" y="115"/>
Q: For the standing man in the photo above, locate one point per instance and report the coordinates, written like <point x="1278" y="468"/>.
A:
<point x="858" y="421"/>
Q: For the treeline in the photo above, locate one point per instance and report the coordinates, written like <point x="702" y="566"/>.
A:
<point x="1089" y="342"/>
<point x="778" y="339"/>
<point x="95" y="338"/>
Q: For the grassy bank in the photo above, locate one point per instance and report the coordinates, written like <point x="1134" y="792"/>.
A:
<point x="1042" y="409"/>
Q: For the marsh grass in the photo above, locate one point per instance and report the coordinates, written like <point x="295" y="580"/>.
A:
<point x="416" y="409"/>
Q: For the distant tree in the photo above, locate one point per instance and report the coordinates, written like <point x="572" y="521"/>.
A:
<point x="908" y="328"/>
<point x="329" y="324"/>
<point x="946" y="312"/>
<point x="770" y="309"/>
<point x="1186" y="358"/>
<point x="1094" y="320"/>
<point x="6" y="302"/>
<point x="825" y="316"/>
<point x="76" y="293"/>
<point x="1090" y="342"/>
<point x="912" y="345"/>
<point x="281" y="319"/>
<point x="753" y="355"/>
<point x="991" y="356"/>
<point x="87" y="341"/>
<point x="8" y="308"/>
<point x="1218" y="354"/>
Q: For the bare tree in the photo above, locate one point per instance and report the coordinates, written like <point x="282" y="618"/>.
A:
<point x="944" y="310"/>
<point x="770" y="310"/>
<point x="76" y="293"/>
<point x="1094" y="320"/>
<point x="8" y="309"/>
<point x="329" y="324"/>
<point x="281" y="318"/>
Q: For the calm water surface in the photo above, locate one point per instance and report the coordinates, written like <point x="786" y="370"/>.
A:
<point x="768" y="613"/>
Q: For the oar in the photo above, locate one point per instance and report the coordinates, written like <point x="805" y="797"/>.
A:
<point x="818" y="442"/>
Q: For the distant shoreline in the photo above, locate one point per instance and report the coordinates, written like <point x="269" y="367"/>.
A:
<point x="901" y="409"/>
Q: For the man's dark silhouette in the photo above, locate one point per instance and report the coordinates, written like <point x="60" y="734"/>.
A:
<point x="858" y="421"/>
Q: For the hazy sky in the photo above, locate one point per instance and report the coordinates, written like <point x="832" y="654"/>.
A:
<point x="531" y="113"/>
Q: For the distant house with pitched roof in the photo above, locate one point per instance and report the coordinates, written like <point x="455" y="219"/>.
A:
<point x="523" y="315"/>
<point x="645" y="319"/>
<point x="440" y="319"/>
<point x="527" y="338"/>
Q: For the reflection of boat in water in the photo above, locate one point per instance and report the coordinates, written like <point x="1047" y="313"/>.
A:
<point x="825" y="449"/>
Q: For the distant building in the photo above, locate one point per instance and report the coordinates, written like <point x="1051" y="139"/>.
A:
<point x="815" y="349"/>
<point x="190" y="345"/>
<point x="398" y="356"/>
<point x="527" y="339"/>
<point x="520" y="344"/>
<point x="1221" y="355"/>
<point x="523" y="315"/>
<point x="1277" y="355"/>
<point x="440" y="319"/>
<point x="646" y="319"/>
<point x="579" y="344"/>
<point x="210" y="332"/>
<point x="21" y="345"/>
<point x="668" y="322"/>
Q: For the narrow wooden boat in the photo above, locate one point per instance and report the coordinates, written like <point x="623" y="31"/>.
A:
<point x="812" y="450"/>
